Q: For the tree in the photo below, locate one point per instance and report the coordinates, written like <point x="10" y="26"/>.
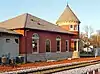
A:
<point x="88" y="30"/>
<point x="85" y="37"/>
<point x="95" y="39"/>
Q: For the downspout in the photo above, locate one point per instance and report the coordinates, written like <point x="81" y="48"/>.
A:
<point x="25" y="36"/>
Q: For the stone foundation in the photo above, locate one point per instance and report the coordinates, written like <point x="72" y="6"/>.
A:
<point x="48" y="56"/>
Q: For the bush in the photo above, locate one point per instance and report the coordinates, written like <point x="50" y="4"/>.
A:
<point x="87" y="54"/>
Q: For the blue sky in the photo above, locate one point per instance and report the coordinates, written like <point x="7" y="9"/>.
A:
<point x="88" y="11"/>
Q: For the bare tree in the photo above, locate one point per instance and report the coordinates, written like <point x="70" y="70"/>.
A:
<point x="88" y="30"/>
<point x="95" y="39"/>
<point x="85" y="37"/>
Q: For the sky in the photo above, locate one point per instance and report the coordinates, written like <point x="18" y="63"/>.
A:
<point x="88" y="11"/>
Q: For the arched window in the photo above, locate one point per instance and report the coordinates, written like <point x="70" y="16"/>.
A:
<point x="48" y="45"/>
<point x="58" y="41"/>
<point x="35" y="42"/>
<point x="35" y="36"/>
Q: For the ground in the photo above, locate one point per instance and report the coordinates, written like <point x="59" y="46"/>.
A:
<point x="39" y="64"/>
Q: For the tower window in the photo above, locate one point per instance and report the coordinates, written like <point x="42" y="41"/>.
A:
<point x="71" y="26"/>
<point x="76" y="27"/>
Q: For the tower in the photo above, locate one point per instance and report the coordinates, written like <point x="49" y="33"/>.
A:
<point x="69" y="21"/>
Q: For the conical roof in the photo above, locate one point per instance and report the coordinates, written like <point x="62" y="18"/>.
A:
<point x="68" y="15"/>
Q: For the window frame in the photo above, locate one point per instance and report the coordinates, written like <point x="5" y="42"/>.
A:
<point x="8" y="40"/>
<point x="17" y="41"/>
<point x="67" y="45"/>
<point x="59" y="45"/>
<point x="50" y="45"/>
<point x="71" y="27"/>
<point x="37" y="39"/>
<point x="76" y="28"/>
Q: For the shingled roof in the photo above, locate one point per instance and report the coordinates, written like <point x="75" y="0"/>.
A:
<point x="29" y="21"/>
<point x="68" y="15"/>
<point x="3" y="30"/>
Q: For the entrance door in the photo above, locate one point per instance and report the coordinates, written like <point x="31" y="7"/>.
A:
<point x="75" y="45"/>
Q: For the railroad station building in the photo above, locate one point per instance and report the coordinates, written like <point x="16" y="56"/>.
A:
<point x="42" y="40"/>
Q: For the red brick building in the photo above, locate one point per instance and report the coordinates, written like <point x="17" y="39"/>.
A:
<point x="42" y="40"/>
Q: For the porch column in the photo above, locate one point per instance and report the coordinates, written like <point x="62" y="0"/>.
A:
<point x="76" y="53"/>
<point x="94" y="72"/>
<point x="87" y="72"/>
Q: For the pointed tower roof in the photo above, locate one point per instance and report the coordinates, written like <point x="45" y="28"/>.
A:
<point x="68" y="15"/>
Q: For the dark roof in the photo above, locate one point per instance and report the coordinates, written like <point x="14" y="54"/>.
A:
<point x="68" y="15"/>
<point x="28" y="21"/>
<point x="3" y="30"/>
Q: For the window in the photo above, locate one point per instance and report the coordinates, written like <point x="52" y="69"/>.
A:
<point x="47" y="45"/>
<point x="35" y="42"/>
<point x="16" y="40"/>
<point x="58" y="46"/>
<point x="32" y="20"/>
<point x="35" y="36"/>
<point x="71" y="27"/>
<point x="76" y="27"/>
<point x="39" y="23"/>
<point x="67" y="45"/>
<point x="58" y="41"/>
<point x="7" y="40"/>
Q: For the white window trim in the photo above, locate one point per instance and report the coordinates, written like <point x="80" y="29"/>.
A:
<point x="67" y="45"/>
<point x="76" y="28"/>
<point x="37" y="48"/>
<point x="50" y="46"/>
<point x="37" y="45"/>
<point x="71" y="29"/>
<point x="75" y="39"/>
